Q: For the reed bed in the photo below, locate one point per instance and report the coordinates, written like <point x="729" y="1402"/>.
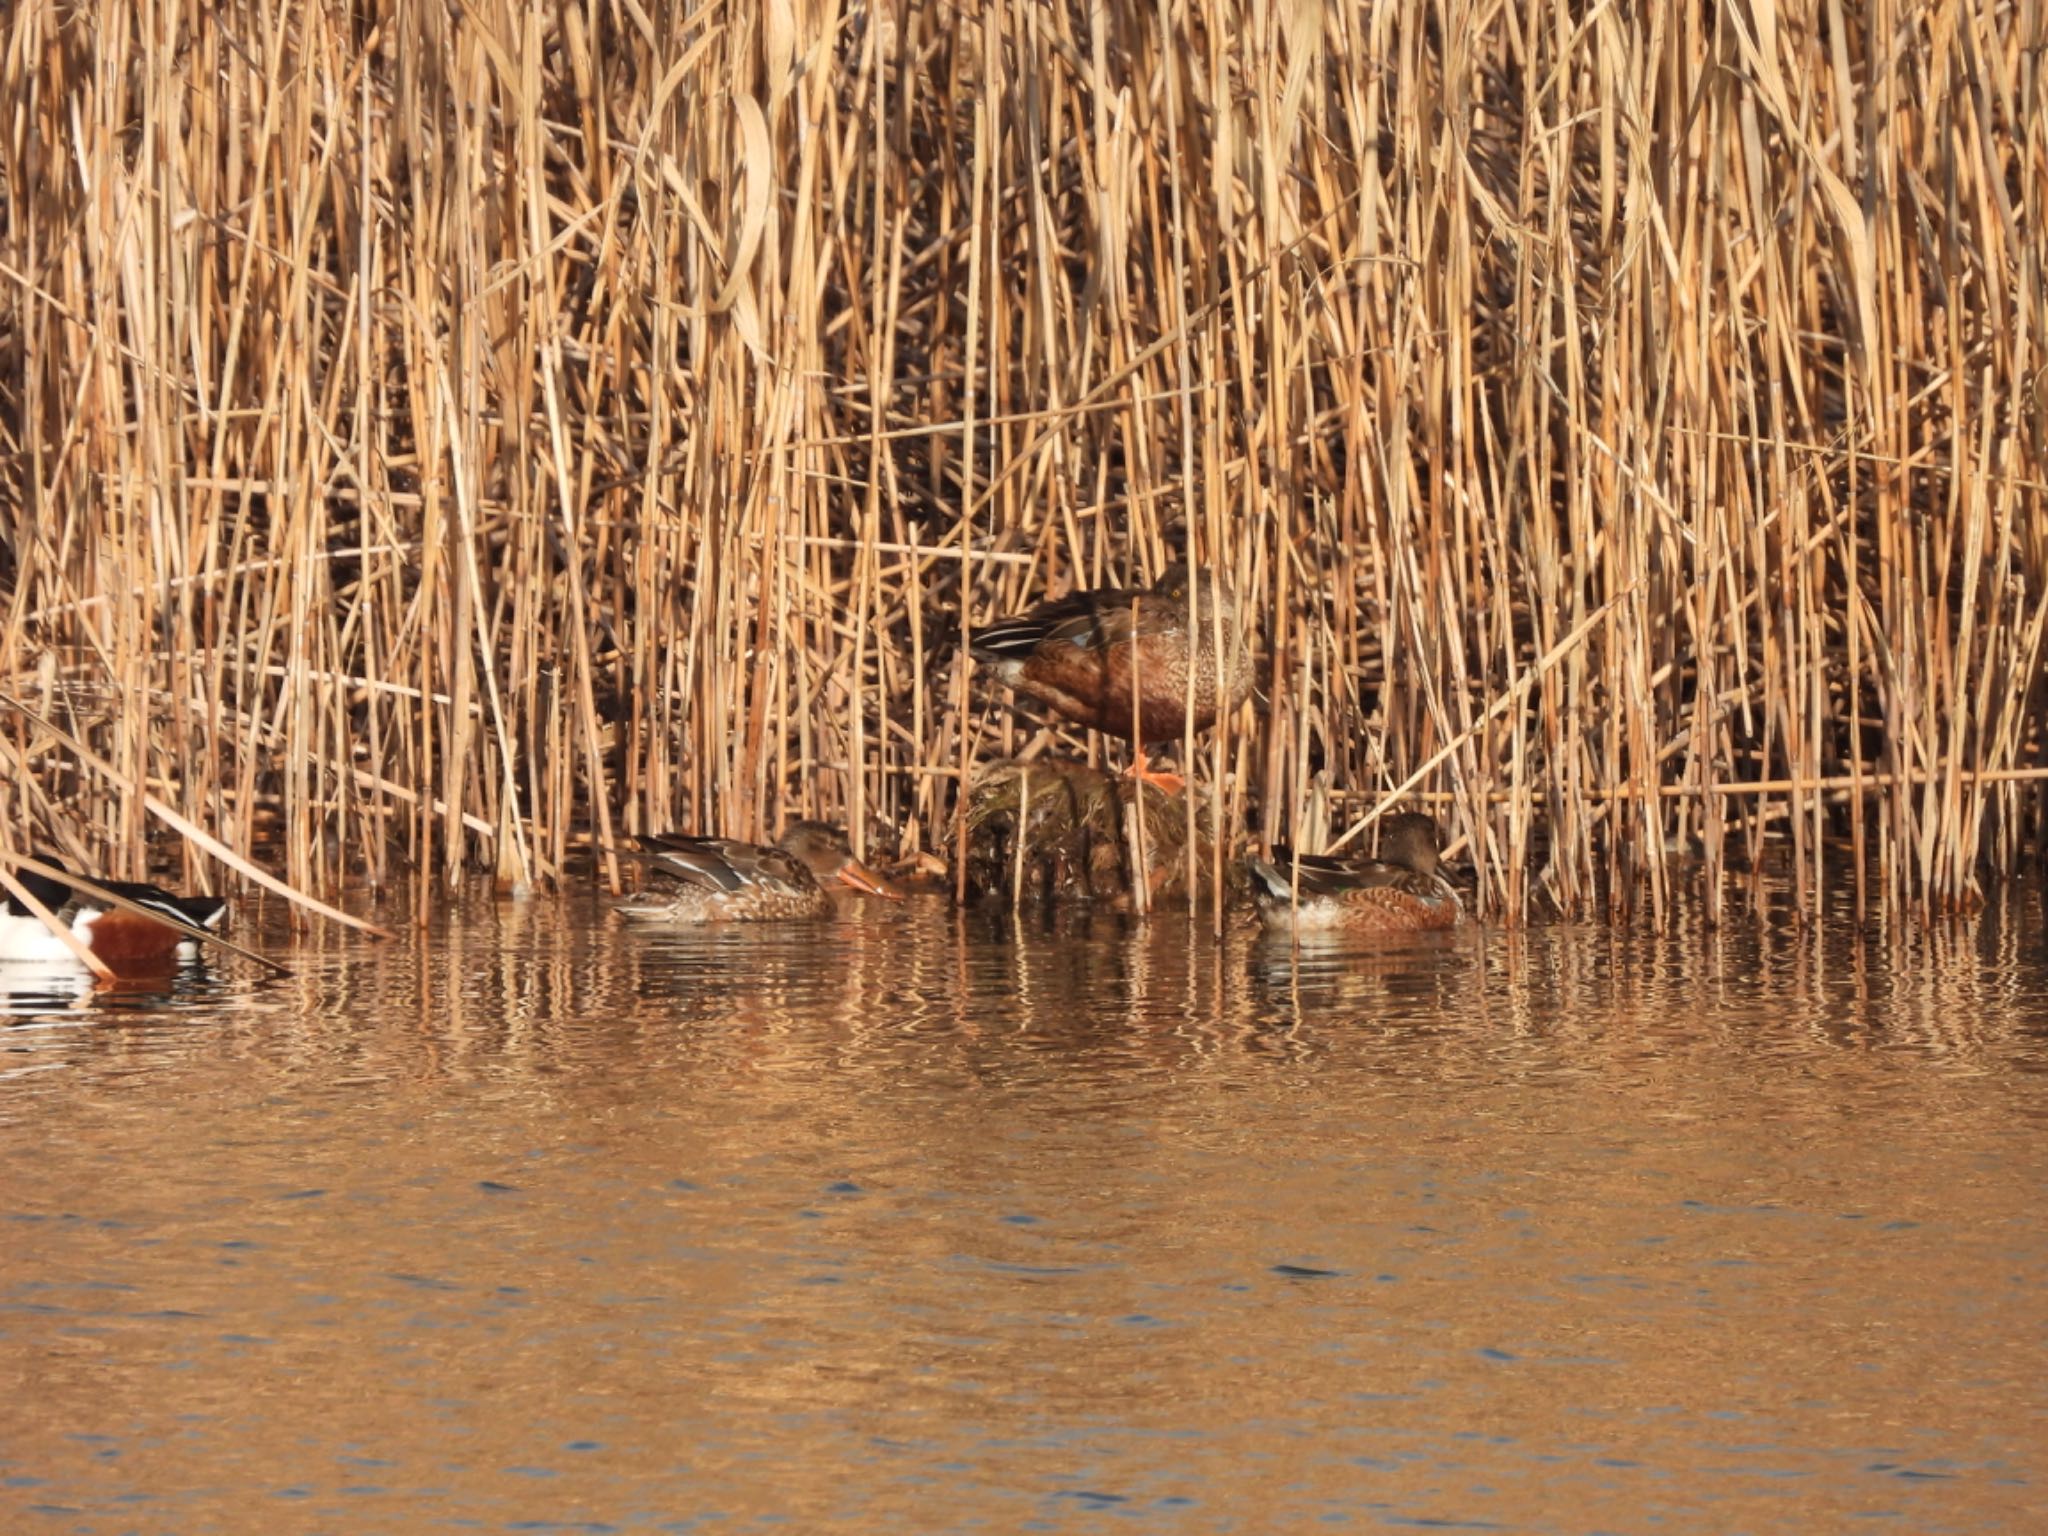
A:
<point x="437" y="436"/>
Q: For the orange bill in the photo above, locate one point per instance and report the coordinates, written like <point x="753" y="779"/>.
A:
<point x="861" y="878"/>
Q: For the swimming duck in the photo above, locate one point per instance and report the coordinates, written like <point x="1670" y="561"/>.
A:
<point x="1088" y="653"/>
<point x="730" y="881"/>
<point x="1402" y="891"/>
<point x="128" y="942"/>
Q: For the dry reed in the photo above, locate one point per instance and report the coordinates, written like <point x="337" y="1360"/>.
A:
<point x="437" y="435"/>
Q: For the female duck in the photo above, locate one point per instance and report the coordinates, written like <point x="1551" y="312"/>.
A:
<point x="1128" y="663"/>
<point x="1402" y="891"/>
<point x="729" y="881"/>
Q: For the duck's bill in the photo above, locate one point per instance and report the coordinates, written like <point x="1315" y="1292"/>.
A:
<point x="861" y="878"/>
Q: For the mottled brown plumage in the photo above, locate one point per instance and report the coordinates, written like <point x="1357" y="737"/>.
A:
<point x="730" y="881"/>
<point x="1087" y="653"/>
<point x="1399" y="892"/>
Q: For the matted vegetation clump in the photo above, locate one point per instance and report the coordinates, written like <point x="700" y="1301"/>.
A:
<point x="451" y="435"/>
<point x="1058" y="832"/>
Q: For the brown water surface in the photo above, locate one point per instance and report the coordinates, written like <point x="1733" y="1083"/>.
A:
<point x="924" y="1222"/>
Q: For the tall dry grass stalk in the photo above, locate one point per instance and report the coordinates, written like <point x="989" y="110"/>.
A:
<point x="447" y="433"/>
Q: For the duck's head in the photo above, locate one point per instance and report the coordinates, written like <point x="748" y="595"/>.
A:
<point x="1211" y="590"/>
<point x="828" y="854"/>
<point x="51" y="893"/>
<point x="1411" y="839"/>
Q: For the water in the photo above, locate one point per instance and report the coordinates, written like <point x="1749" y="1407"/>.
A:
<point x="923" y="1222"/>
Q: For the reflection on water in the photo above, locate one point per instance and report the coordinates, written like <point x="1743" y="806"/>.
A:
<point x="926" y="1221"/>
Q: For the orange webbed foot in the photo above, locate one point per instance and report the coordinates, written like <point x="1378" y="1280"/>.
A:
<point x="1169" y="784"/>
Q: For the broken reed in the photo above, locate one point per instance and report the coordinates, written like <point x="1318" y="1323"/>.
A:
<point x="441" y="434"/>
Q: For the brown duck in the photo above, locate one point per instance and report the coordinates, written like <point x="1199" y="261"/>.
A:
<point x="1127" y="662"/>
<point x="1401" y="891"/>
<point x="729" y="881"/>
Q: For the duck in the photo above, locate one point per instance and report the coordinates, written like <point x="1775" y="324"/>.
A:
<point x="725" y="880"/>
<point x="1401" y="891"/>
<point x="129" y="943"/>
<point x="1126" y="661"/>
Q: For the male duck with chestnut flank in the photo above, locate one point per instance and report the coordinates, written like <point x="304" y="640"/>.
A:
<point x="729" y="881"/>
<point x="1401" y="891"/>
<point x="1128" y="662"/>
<point x="130" y="944"/>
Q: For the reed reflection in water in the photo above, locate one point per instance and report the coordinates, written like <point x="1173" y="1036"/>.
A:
<point x="925" y="1221"/>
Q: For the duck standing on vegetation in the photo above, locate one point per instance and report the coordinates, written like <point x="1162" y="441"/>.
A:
<point x="730" y="881"/>
<point x="128" y="942"/>
<point x="1128" y="662"/>
<point x="1402" y="891"/>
